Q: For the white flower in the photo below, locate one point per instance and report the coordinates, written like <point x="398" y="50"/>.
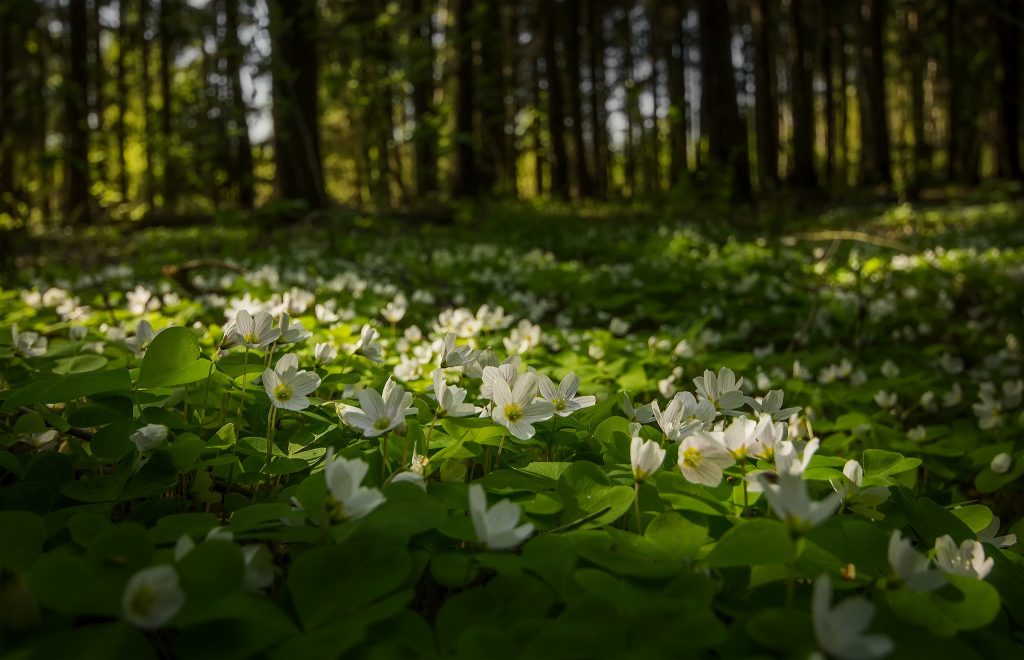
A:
<point x="77" y="332"/>
<point x="889" y="369"/>
<point x="595" y="352"/>
<point x="288" y="387"/>
<point x="508" y="371"/>
<point x="682" y="416"/>
<point x="450" y="399"/>
<point x="643" y="414"/>
<point x="152" y="597"/>
<point x="380" y="413"/>
<point x="618" y="326"/>
<point x="523" y="337"/>
<point x="912" y="567"/>
<point x="515" y="408"/>
<point x="722" y="390"/>
<point x="645" y="457"/>
<point x="861" y="500"/>
<point x="1001" y="463"/>
<point x="769" y="437"/>
<point x="149" y="436"/>
<point x="259" y="567"/>
<point x="254" y="330"/>
<point x="350" y="499"/>
<point x="395" y="310"/>
<point x="787" y="461"/>
<point x="367" y="345"/>
<point x="324" y="354"/>
<point x="840" y="629"/>
<point x="702" y="459"/>
<point x="740" y="437"/>
<point x="989" y="411"/>
<point x="292" y="331"/>
<point x="787" y="494"/>
<point x="988" y="535"/>
<point x="29" y="344"/>
<point x="143" y="337"/>
<point x="954" y="396"/>
<point x="886" y="400"/>
<point x="497" y="528"/>
<point x="564" y="399"/>
<point x="968" y="560"/>
<point x="455" y="356"/>
<point x="918" y="434"/>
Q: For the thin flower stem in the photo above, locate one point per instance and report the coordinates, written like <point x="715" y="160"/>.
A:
<point x="384" y="456"/>
<point x="245" y="374"/>
<point x="746" y="496"/>
<point x="271" y="423"/>
<point x="206" y="389"/>
<point x="636" y="506"/>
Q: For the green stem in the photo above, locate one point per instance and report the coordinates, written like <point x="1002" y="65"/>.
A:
<point x="206" y="390"/>
<point x="384" y="456"/>
<point x="245" y="374"/>
<point x="271" y="423"/>
<point x="636" y="506"/>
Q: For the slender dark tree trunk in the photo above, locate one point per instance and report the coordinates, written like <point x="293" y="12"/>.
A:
<point x="422" y="74"/>
<point x="98" y="105"/>
<point x="466" y="182"/>
<point x="510" y="74"/>
<point x="149" y="180"/>
<point x="598" y="114"/>
<point x="573" y="46"/>
<point x="536" y="128"/>
<point x="803" y="175"/>
<point x="242" y="161"/>
<point x="8" y="35"/>
<point x="672" y="15"/>
<point x="295" y="64"/>
<point x="828" y="75"/>
<point x="916" y="63"/>
<point x="652" y="138"/>
<point x="491" y="96"/>
<point x="167" y="14"/>
<point x="766" y="117"/>
<point x="123" y="42"/>
<point x="953" y="73"/>
<point x="556" y="109"/>
<point x="77" y="204"/>
<point x="720" y="118"/>
<point x="630" y="93"/>
<point x="1010" y="26"/>
<point x="875" y="165"/>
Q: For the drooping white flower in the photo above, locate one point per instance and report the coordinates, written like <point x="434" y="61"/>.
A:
<point x="643" y="414"/>
<point x="451" y="400"/>
<point x="860" y="500"/>
<point x="455" y="356"/>
<point x="324" y="354"/>
<point x="1001" y="463"/>
<point x="771" y="404"/>
<point x="786" y="492"/>
<point x="149" y="437"/>
<point x="497" y="528"/>
<point x="840" y="630"/>
<point x="645" y="457"/>
<point x="564" y="399"/>
<point x="515" y="408"/>
<point x="28" y="344"/>
<point x="288" y="387"/>
<point x="702" y="458"/>
<point x="968" y="560"/>
<point x="367" y="346"/>
<point x="292" y="331"/>
<point x="350" y="499"/>
<point x="255" y="330"/>
<point x="259" y="567"/>
<point x="988" y="535"/>
<point x="382" y="412"/>
<point x="912" y="567"/>
<point x="143" y="337"/>
<point x="152" y="597"/>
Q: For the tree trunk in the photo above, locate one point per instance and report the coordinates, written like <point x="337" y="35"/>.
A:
<point x="803" y="100"/>
<point x="166" y="15"/>
<point x="466" y="182"/>
<point x="598" y="115"/>
<point x="916" y="63"/>
<point x="295" y="65"/>
<point x="573" y="46"/>
<point x="1009" y="22"/>
<point x="77" y="204"/>
<point x="8" y="35"/>
<point x="720" y="118"/>
<point x="828" y="74"/>
<point x="556" y="109"/>
<point x="149" y="182"/>
<point x="629" y="93"/>
<point x="242" y="161"/>
<point x="123" y="42"/>
<point x="875" y="164"/>
<point x="421" y="71"/>
<point x="676" y="62"/>
<point x="766" y="118"/>
<point x="491" y="96"/>
<point x="97" y="103"/>
<point x="652" y="137"/>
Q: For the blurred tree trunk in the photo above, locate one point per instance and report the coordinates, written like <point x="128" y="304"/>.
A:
<point x="422" y="74"/>
<point x="598" y="92"/>
<point x="491" y="95"/>
<point x="652" y="137"/>
<point x="953" y="92"/>
<point x="573" y="46"/>
<point x="675" y="58"/>
<point x="1009" y="28"/>
<point x="630" y="93"/>
<point x="465" y="182"/>
<point x="766" y="118"/>
<point x="536" y="128"/>
<point x="97" y="103"/>
<point x="164" y="18"/>
<point x="8" y="37"/>
<point x="77" y="204"/>
<point x="149" y="182"/>
<point x="123" y="44"/>
<point x="875" y="162"/>
<point x="915" y="59"/>
<point x="828" y="75"/>
<point x="295" y="65"/>
<point x="721" y="124"/>
<point x="242" y="162"/>
<point x="510" y="70"/>
<point x="803" y="175"/>
<point x="556" y="109"/>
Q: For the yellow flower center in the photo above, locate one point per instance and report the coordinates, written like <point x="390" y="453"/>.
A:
<point x="691" y="457"/>
<point x="283" y="392"/>
<point x="558" y="403"/>
<point x="143" y="600"/>
<point x="513" y="412"/>
<point x="251" y="338"/>
<point x="382" y="423"/>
